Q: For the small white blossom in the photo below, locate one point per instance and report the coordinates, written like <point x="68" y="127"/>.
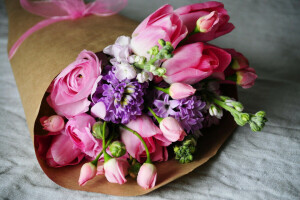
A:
<point x="144" y="76"/>
<point x="124" y="70"/>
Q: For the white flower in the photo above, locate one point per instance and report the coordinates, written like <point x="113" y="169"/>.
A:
<point x="124" y="70"/>
<point x="144" y="76"/>
<point x="120" y="50"/>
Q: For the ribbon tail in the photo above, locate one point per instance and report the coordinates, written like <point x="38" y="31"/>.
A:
<point x="105" y="7"/>
<point x="33" y="29"/>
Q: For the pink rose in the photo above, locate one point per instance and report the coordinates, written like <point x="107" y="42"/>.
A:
<point x="115" y="170"/>
<point x="162" y="24"/>
<point x="147" y="176"/>
<point x="57" y="149"/>
<point x="213" y="20"/>
<point x="70" y="89"/>
<point x="79" y="130"/>
<point x="245" y="75"/>
<point x="54" y="123"/>
<point x="152" y="135"/>
<point x="206" y="60"/>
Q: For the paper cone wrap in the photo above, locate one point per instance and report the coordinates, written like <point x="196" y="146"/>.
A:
<point x="43" y="55"/>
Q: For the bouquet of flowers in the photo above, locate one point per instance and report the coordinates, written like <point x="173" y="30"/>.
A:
<point x="146" y="98"/>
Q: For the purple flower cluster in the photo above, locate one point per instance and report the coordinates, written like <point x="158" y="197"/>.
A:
<point x="123" y="99"/>
<point x="187" y="111"/>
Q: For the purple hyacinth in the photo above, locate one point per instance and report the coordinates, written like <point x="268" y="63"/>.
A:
<point x="187" y="111"/>
<point x="123" y="99"/>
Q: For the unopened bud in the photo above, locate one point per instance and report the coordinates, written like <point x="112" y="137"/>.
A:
<point x="215" y="111"/>
<point x="162" y="42"/>
<point x="117" y="149"/>
<point x="206" y="23"/>
<point x="97" y="130"/>
<point x="261" y="114"/>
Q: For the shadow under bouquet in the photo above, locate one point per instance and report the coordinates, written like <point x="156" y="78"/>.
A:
<point x="147" y="106"/>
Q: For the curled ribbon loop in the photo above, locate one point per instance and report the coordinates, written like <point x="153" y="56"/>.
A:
<point x="59" y="10"/>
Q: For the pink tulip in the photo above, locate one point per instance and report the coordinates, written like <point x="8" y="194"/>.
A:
<point x="115" y="170"/>
<point x="87" y="172"/>
<point x="239" y="60"/>
<point x="206" y="60"/>
<point x="58" y="149"/>
<point x="181" y="90"/>
<point x="54" y="123"/>
<point x="171" y="129"/>
<point x="206" y="23"/>
<point x="71" y="88"/>
<point x="246" y="75"/>
<point x="213" y="19"/>
<point x="162" y="24"/>
<point x="79" y="130"/>
<point x="147" y="176"/>
<point x="152" y="135"/>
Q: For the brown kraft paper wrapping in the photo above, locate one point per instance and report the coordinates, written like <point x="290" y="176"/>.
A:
<point x="43" y="55"/>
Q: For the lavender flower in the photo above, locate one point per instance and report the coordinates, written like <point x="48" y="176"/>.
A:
<point x="123" y="99"/>
<point x="187" y="111"/>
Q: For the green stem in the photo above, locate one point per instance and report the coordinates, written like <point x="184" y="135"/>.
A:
<point x="159" y="119"/>
<point x="106" y="156"/>
<point x="142" y="140"/>
<point x="223" y="105"/>
<point x="151" y="61"/>
<point x="165" y="90"/>
<point x="95" y="162"/>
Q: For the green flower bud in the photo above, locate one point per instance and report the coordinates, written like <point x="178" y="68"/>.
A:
<point x="162" y="42"/>
<point x="238" y="106"/>
<point x="169" y="44"/>
<point x="141" y="60"/>
<point x="117" y="149"/>
<point x="161" y="71"/>
<point x="254" y="127"/>
<point x="184" y="152"/>
<point x="154" y="50"/>
<point x="97" y="130"/>
<point x="261" y="114"/>
<point x="245" y="117"/>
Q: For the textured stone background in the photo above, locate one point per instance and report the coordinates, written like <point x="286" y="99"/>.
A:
<point x="263" y="165"/>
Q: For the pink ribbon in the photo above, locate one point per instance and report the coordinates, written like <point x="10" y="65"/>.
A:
<point x="59" y="10"/>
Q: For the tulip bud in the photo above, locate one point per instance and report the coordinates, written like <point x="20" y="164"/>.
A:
<point x="171" y="129"/>
<point x="97" y="130"/>
<point x="117" y="149"/>
<point x="146" y="177"/>
<point x="55" y="123"/>
<point x="87" y="172"/>
<point x="246" y="77"/>
<point x="181" y="90"/>
<point x="206" y="23"/>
